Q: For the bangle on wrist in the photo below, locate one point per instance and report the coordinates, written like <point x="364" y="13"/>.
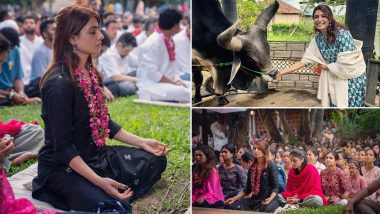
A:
<point x="11" y="94"/>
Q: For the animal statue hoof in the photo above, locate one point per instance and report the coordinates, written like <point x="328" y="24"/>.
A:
<point x="197" y="99"/>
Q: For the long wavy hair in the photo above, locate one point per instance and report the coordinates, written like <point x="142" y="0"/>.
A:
<point x="334" y="26"/>
<point x="202" y="172"/>
<point x="263" y="146"/>
<point x="70" y="21"/>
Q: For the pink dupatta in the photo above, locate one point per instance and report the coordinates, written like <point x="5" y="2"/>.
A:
<point x="211" y="189"/>
<point x="11" y="205"/>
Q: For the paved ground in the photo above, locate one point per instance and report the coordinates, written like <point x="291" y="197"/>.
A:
<point x="281" y="97"/>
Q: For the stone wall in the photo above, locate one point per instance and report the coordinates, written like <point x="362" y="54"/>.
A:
<point x="293" y="117"/>
<point x="287" y="49"/>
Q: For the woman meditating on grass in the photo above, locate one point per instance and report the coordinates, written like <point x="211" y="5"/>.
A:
<point x="232" y="176"/>
<point x="262" y="184"/>
<point x="287" y="163"/>
<point x="207" y="191"/>
<point x="240" y="153"/>
<point x="371" y="172"/>
<point x="247" y="160"/>
<point x="336" y="184"/>
<point x="358" y="182"/>
<point x="312" y="158"/>
<point x="303" y="188"/>
<point x="281" y="172"/>
<point x="76" y="169"/>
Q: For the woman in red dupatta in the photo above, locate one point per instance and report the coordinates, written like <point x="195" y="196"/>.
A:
<point x="303" y="187"/>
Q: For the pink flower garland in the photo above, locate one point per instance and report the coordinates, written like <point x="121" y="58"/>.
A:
<point x="97" y="104"/>
<point x="255" y="179"/>
<point x="170" y="45"/>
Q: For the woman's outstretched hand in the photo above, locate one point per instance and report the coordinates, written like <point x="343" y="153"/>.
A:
<point x="112" y="187"/>
<point x="155" y="147"/>
<point x="279" y="74"/>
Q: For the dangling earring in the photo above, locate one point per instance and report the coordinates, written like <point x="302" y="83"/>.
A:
<point x="329" y="30"/>
<point x="74" y="48"/>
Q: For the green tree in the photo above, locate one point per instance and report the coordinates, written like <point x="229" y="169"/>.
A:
<point x="357" y="122"/>
<point x="248" y="11"/>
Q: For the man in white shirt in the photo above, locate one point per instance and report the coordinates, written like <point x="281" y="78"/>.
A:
<point x="182" y="49"/>
<point x="157" y="74"/>
<point x="112" y="28"/>
<point x="219" y="133"/>
<point x="119" y="65"/>
<point x="148" y="29"/>
<point x="41" y="58"/>
<point x="29" y="42"/>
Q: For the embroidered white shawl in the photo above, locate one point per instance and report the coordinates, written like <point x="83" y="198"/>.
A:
<point x="333" y="84"/>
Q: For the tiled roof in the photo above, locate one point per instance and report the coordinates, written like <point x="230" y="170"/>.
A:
<point x="286" y="8"/>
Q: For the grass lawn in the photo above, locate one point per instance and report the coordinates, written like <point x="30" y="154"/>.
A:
<point x="288" y="37"/>
<point x="322" y="210"/>
<point x="168" y="124"/>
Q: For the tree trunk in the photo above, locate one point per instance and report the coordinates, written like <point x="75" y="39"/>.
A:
<point x="306" y="126"/>
<point x="205" y="127"/>
<point x="287" y="129"/>
<point x="266" y="116"/>
<point x="318" y="120"/>
<point x="240" y="138"/>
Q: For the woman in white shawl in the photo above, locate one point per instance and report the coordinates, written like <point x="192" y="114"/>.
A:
<point x="342" y="80"/>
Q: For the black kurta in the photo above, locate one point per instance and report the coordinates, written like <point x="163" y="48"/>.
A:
<point x="268" y="185"/>
<point x="68" y="134"/>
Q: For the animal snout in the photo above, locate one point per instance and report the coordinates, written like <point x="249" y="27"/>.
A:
<point x="273" y="73"/>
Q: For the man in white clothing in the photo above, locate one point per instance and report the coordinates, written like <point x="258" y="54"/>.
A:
<point x="148" y="29"/>
<point x="119" y="65"/>
<point x="182" y="49"/>
<point x="29" y="42"/>
<point x="158" y="74"/>
<point x="112" y="27"/>
<point x="219" y="130"/>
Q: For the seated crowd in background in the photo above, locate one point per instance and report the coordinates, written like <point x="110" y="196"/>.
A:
<point x="147" y="54"/>
<point x="281" y="177"/>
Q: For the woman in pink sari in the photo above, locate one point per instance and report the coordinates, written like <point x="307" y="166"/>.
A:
<point x="207" y="191"/>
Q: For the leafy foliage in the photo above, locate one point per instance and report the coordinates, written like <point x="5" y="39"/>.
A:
<point x="330" y="2"/>
<point x="357" y="122"/>
<point x="248" y="11"/>
<point x="302" y="29"/>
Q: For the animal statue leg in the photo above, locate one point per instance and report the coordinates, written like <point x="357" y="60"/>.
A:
<point x="197" y="79"/>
